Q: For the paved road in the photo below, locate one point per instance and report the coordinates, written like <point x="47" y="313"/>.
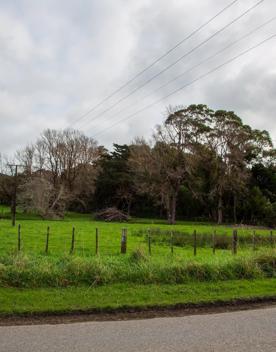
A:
<point x="239" y="331"/>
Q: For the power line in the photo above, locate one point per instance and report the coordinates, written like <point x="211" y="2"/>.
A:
<point x="199" y="64"/>
<point x="155" y="62"/>
<point x="178" y="60"/>
<point x="188" y="84"/>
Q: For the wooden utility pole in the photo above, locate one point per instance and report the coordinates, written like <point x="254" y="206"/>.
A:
<point x="14" y="196"/>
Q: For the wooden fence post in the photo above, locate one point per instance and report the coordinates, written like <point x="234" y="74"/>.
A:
<point x="149" y="242"/>
<point x="214" y="242"/>
<point x="73" y="241"/>
<point x="47" y="240"/>
<point x="124" y="241"/>
<point x="271" y="239"/>
<point x="19" y="238"/>
<point x="171" y="242"/>
<point x="195" y="249"/>
<point x="235" y="242"/>
<point x="254" y="240"/>
<point x="97" y="241"/>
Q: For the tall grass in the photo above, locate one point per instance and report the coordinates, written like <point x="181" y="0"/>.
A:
<point x="48" y="271"/>
<point x="203" y="239"/>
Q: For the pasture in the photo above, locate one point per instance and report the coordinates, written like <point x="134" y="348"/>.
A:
<point x="164" y="239"/>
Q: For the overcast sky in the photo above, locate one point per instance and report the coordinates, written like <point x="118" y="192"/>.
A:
<point x="60" y="58"/>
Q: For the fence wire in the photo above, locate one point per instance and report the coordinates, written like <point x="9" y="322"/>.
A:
<point x="153" y="241"/>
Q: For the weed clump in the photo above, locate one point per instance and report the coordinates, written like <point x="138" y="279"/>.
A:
<point x="138" y="256"/>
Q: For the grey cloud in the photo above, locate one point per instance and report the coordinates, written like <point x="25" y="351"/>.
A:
<point x="58" y="59"/>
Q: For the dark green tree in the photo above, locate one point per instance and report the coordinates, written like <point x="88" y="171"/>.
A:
<point x="114" y="186"/>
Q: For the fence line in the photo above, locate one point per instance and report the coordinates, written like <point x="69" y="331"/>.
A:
<point x="160" y="240"/>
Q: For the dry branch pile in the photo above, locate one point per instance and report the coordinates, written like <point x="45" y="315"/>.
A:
<point x="112" y="214"/>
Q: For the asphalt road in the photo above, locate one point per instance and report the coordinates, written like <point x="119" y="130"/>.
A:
<point x="237" y="331"/>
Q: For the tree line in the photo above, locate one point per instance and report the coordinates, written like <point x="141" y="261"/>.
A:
<point x="200" y="164"/>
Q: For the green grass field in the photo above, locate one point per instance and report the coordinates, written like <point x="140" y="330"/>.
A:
<point x="33" y="235"/>
<point x="33" y="281"/>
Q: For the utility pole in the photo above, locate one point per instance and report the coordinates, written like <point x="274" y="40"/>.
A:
<point x="14" y="196"/>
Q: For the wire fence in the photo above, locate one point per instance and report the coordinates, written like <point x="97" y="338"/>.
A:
<point x="153" y="241"/>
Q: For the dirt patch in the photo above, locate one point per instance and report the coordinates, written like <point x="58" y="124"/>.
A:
<point x="127" y="313"/>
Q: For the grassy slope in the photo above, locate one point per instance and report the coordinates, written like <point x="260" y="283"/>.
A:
<point x="121" y="296"/>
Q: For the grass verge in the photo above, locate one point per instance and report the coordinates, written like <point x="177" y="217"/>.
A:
<point x="42" y="271"/>
<point x="123" y="296"/>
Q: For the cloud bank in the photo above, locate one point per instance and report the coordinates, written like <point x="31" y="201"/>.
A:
<point x="60" y="58"/>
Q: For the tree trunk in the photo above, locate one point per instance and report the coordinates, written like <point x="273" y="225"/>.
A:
<point x="172" y="209"/>
<point x="169" y="215"/>
<point x="161" y="212"/>
<point x="220" y="209"/>
<point x="235" y="208"/>
<point x="129" y="207"/>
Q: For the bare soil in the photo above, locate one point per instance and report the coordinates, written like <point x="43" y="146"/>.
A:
<point x="179" y="310"/>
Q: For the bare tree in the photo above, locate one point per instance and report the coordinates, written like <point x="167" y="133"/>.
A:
<point x="65" y="159"/>
<point x="37" y="195"/>
<point x="25" y="158"/>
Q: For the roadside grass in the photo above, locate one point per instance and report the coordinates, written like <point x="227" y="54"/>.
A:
<point x="137" y="268"/>
<point x="124" y="296"/>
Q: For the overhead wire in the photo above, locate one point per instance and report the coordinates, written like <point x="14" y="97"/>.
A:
<point x="181" y="75"/>
<point x="140" y="73"/>
<point x="187" y="85"/>
<point x="179" y="59"/>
